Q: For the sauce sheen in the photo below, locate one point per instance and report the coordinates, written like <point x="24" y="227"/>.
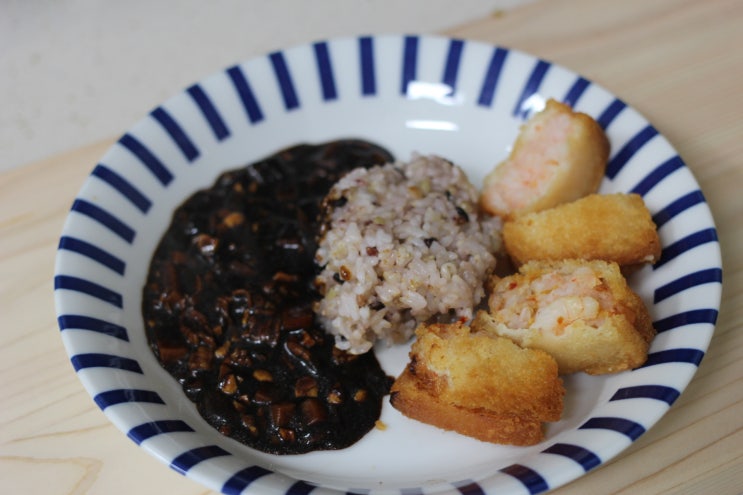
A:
<point x="227" y="306"/>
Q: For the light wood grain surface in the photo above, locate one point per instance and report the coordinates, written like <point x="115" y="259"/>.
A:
<point x="678" y="62"/>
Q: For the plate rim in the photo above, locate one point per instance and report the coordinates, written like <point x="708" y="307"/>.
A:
<point x="524" y="474"/>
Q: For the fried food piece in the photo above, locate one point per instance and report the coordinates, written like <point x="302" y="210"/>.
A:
<point x="479" y="370"/>
<point x="558" y="156"/>
<point x="581" y="312"/>
<point x="415" y="402"/>
<point x="479" y="384"/>
<point x="611" y="227"/>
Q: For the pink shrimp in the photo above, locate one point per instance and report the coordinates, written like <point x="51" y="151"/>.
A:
<point x="558" y="156"/>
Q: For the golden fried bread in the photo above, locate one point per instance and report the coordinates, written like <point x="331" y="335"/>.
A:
<point x="482" y="371"/>
<point x="415" y="402"/>
<point x="612" y="227"/>
<point x="558" y="156"/>
<point x="479" y="384"/>
<point x="583" y="313"/>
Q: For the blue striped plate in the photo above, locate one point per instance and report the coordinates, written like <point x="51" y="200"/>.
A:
<point x="460" y="99"/>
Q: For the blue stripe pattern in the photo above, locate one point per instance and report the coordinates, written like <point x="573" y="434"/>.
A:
<point x="68" y="282"/>
<point x="147" y="158"/>
<point x="624" y="155"/>
<point x="532" y="480"/>
<point x="98" y="360"/>
<point x="190" y="458"/>
<point x="176" y="133"/>
<point x="409" y="63"/>
<point x="471" y="488"/>
<point x="532" y="86"/>
<point x="657" y="392"/>
<point x="492" y="75"/>
<point x="366" y="62"/>
<point x="451" y="68"/>
<point x="284" y="78"/>
<point x="242" y="479"/>
<point x="300" y="488"/>
<point x="656" y="176"/>
<point x="701" y="277"/>
<point x="587" y="459"/>
<point x="134" y="195"/>
<point x="691" y="317"/>
<point x="146" y="431"/>
<point x="212" y="116"/>
<point x="692" y="356"/>
<point x="93" y="252"/>
<point x="576" y="91"/>
<point x="126" y="395"/>
<point x="677" y="206"/>
<point x="325" y="71"/>
<point x="289" y="86"/>
<point x="82" y="322"/>
<point x="624" y="426"/>
<point x="610" y="113"/>
<point x="245" y="92"/>
<point x="104" y="218"/>
<point x="685" y="244"/>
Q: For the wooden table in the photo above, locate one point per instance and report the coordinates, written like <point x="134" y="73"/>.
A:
<point x="678" y="62"/>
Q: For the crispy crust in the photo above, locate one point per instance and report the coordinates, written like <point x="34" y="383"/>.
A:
<point x="612" y="227"/>
<point x="617" y="340"/>
<point x="558" y="156"/>
<point x="479" y="371"/>
<point x="479" y="385"/>
<point x="409" y="398"/>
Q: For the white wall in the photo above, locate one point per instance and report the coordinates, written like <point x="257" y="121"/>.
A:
<point x="73" y="72"/>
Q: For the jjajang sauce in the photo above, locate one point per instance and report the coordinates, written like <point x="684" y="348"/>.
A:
<point x="228" y="301"/>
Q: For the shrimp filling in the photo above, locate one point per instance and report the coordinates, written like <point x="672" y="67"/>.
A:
<point x="532" y="167"/>
<point x="553" y="301"/>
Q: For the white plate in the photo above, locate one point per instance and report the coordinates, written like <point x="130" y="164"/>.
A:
<point x="460" y="99"/>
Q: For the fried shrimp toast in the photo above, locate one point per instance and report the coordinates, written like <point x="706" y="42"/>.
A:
<point x="479" y="384"/>
<point x="611" y="227"/>
<point x="559" y="155"/>
<point x="581" y="312"/>
<point x="417" y="403"/>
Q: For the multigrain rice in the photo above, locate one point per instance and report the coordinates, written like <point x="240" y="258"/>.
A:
<point x="401" y="244"/>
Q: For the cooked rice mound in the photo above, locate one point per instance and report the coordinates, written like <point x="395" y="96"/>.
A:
<point x="401" y="244"/>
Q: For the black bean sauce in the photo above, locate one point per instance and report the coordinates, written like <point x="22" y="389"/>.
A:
<point x="228" y="307"/>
